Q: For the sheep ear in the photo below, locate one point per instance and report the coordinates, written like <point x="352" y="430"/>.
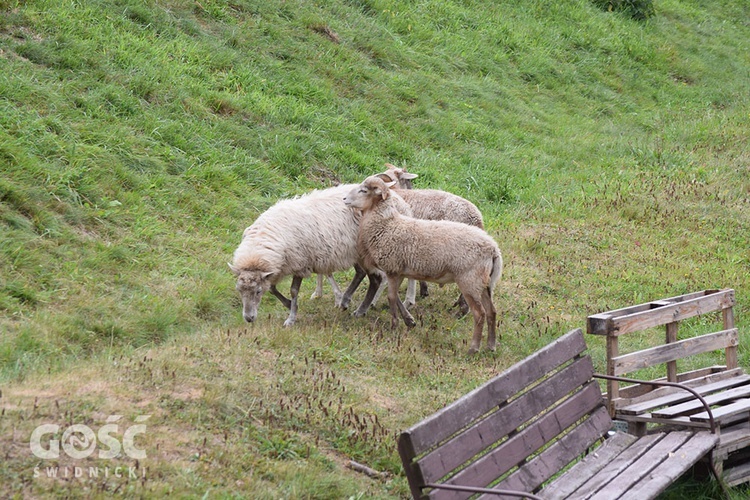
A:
<point x="266" y="276"/>
<point x="408" y="176"/>
<point x="385" y="192"/>
<point x="235" y="270"/>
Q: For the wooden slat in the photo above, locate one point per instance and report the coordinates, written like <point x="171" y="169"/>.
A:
<point x="737" y="474"/>
<point x="641" y="465"/>
<point x="669" y="470"/>
<point x="488" y="468"/>
<point x="733" y="438"/>
<point x="563" y="487"/>
<point x="645" y="316"/>
<point x="451" y="419"/>
<point x="616" y="466"/>
<point x="671" y="339"/>
<point x="549" y="462"/>
<point x="728" y="319"/>
<point x="602" y="323"/>
<point x="505" y="420"/>
<point x="678" y="422"/>
<point x="724" y="412"/>
<point x="679" y="395"/>
<point x="692" y="406"/>
<point x="637" y="392"/>
<point x="670" y="352"/>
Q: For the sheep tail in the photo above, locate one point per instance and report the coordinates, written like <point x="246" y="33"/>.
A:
<point x="497" y="270"/>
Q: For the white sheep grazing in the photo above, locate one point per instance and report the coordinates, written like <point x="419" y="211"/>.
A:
<point x="439" y="251"/>
<point x="314" y="233"/>
<point x="432" y="204"/>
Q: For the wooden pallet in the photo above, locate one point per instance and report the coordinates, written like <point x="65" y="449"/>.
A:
<point x="726" y="388"/>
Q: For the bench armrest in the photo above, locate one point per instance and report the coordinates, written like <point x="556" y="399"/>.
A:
<point x="486" y="491"/>
<point x="711" y="421"/>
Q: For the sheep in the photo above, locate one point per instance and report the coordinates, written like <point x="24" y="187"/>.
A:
<point x="314" y="233"/>
<point x="439" y="251"/>
<point x="432" y="204"/>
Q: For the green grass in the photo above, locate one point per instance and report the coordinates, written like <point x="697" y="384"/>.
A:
<point x="138" y="139"/>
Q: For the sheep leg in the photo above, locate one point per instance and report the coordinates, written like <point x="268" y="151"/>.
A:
<point x="318" y="293"/>
<point x="411" y="294"/>
<point x="423" y="291"/>
<point x="334" y="286"/>
<point x="379" y="291"/>
<point x="276" y="293"/>
<point x="463" y="307"/>
<point x="396" y="305"/>
<point x="359" y="275"/>
<point x="373" y="289"/>
<point x="489" y="307"/>
<point x="479" y="318"/>
<point x="293" y="291"/>
<point x="337" y="295"/>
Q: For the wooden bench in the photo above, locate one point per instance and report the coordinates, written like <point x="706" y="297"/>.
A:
<point x="724" y="387"/>
<point x="541" y="429"/>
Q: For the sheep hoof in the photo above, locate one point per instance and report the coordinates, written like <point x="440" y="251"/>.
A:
<point x="473" y="351"/>
<point x="359" y="313"/>
<point x="491" y="347"/>
<point x="410" y="323"/>
<point x="315" y="295"/>
<point x="288" y="323"/>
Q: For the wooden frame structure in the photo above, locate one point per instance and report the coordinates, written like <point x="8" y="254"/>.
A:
<point x="726" y="388"/>
<point x="541" y="429"/>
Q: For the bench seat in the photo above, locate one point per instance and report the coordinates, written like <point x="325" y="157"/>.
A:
<point x="542" y="429"/>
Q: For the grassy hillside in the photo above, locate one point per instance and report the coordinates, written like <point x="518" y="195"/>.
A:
<point x="609" y="156"/>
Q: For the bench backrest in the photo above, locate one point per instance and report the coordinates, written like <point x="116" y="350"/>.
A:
<point x="514" y="432"/>
<point x="665" y="312"/>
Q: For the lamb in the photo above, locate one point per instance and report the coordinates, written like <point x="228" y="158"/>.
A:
<point x="314" y="233"/>
<point x="432" y="204"/>
<point x="439" y="251"/>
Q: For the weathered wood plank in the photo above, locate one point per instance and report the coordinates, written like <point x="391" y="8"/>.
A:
<point x="613" y="386"/>
<point x="645" y="316"/>
<point x="505" y="420"/>
<point x="678" y="396"/>
<point x="603" y="323"/>
<point x="690" y="407"/>
<point x="616" y="466"/>
<point x="672" y="338"/>
<point x="519" y="446"/>
<point x="678" y="422"/>
<point x="451" y="419"/>
<point x="670" y="352"/>
<point x="567" y="448"/>
<point x="722" y="413"/>
<point x="642" y="392"/>
<point x="563" y="487"/>
<point x="731" y="354"/>
<point x="646" y="461"/>
<point x="672" y="467"/>
<point x="737" y="474"/>
<point x="733" y="437"/>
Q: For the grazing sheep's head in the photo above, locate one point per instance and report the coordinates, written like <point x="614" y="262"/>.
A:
<point x="364" y="196"/>
<point x="251" y="284"/>
<point x="400" y="175"/>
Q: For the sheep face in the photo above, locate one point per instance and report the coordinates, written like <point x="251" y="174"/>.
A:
<point x="251" y="286"/>
<point x="364" y="196"/>
<point x="399" y="175"/>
